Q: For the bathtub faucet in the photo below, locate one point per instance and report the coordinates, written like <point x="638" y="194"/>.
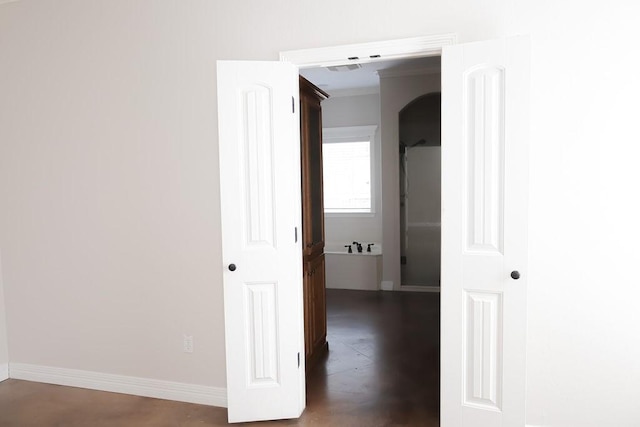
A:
<point x="349" y="250"/>
<point x="358" y="246"/>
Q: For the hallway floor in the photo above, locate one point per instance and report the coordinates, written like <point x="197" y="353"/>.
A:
<point x="382" y="370"/>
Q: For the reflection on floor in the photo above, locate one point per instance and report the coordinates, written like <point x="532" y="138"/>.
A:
<point x="384" y="360"/>
<point x="382" y="370"/>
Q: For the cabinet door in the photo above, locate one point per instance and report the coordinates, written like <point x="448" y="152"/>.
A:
<point x="309" y="338"/>
<point x="313" y="222"/>
<point x="315" y="311"/>
<point x="311" y="151"/>
<point x="319" y="304"/>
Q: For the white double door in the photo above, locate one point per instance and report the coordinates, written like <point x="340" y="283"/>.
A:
<point x="484" y="236"/>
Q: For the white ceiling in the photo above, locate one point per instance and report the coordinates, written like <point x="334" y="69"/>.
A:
<point x="365" y="79"/>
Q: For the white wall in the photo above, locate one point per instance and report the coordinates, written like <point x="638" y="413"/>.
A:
<point x="361" y="110"/>
<point x="582" y="353"/>
<point x="108" y="180"/>
<point x="396" y="91"/>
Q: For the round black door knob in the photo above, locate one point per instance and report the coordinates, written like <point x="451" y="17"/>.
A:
<point x="515" y="275"/>
<point x="232" y="267"/>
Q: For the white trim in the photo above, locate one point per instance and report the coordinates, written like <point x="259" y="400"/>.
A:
<point x="4" y="371"/>
<point x="352" y="134"/>
<point x="381" y="51"/>
<point x="386" y="285"/>
<point x="159" y="389"/>
<point x="348" y="133"/>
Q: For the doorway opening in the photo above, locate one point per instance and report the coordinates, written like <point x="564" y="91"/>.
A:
<point x="383" y="346"/>
<point x="420" y="192"/>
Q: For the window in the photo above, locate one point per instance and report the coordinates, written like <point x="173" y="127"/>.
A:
<point x="347" y="169"/>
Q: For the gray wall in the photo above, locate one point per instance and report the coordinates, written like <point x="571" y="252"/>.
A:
<point x="422" y="247"/>
<point x="395" y="93"/>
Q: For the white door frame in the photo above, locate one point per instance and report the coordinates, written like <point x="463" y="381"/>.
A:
<point x="374" y="52"/>
<point x="371" y="52"/>
<point x="415" y="47"/>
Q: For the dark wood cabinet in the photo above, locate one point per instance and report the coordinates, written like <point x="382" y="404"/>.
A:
<point x="315" y="320"/>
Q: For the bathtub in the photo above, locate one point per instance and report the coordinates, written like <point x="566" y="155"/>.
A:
<point x="357" y="271"/>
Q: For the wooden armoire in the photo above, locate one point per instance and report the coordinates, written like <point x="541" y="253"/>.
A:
<point x="315" y="312"/>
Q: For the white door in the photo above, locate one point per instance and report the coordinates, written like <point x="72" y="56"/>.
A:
<point x="485" y="98"/>
<point x="259" y="141"/>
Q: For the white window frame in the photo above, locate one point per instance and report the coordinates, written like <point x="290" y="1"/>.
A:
<point x="356" y="134"/>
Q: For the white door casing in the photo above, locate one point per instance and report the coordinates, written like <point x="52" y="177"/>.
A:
<point x="259" y="141"/>
<point x="485" y="103"/>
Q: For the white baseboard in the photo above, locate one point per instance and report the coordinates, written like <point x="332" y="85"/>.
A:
<point x="4" y="371"/>
<point x="191" y="393"/>
<point x="386" y="285"/>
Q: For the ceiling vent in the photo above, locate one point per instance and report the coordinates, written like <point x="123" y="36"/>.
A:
<point x="348" y="67"/>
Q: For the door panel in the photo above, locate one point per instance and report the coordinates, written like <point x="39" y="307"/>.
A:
<point x="319" y="308"/>
<point x="484" y="227"/>
<point x="261" y="218"/>
<point x="312" y="189"/>
<point x="315" y="310"/>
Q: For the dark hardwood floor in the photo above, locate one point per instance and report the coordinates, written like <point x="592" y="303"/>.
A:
<point x="382" y="370"/>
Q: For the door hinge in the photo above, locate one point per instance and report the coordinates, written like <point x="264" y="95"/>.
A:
<point x="293" y="104"/>
<point x="298" y="359"/>
<point x="296" y="234"/>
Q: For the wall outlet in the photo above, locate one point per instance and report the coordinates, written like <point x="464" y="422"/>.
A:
<point x="187" y="343"/>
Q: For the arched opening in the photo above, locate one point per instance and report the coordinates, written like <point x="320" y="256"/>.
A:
<point x="419" y="128"/>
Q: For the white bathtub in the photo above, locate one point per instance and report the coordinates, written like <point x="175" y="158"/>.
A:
<point x="357" y="271"/>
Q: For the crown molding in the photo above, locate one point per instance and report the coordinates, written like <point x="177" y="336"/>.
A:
<point x="358" y="91"/>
